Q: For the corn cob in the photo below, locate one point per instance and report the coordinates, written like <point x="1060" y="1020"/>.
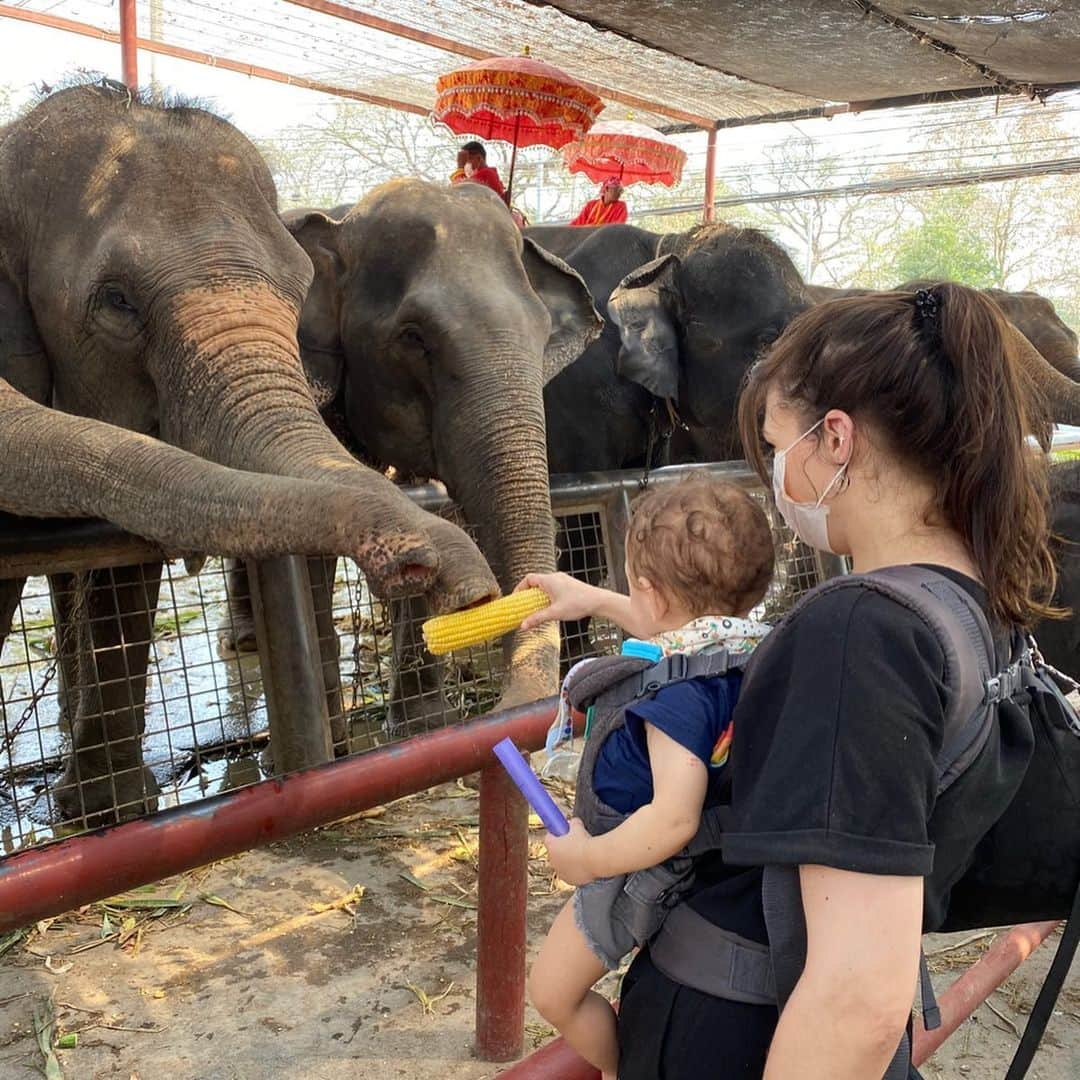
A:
<point x="459" y="629"/>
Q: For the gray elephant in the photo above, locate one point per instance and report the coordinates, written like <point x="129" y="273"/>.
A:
<point x="687" y="313"/>
<point x="1032" y="314"/>
<point x="432" y="326"/>
<point x="150" y="375"/>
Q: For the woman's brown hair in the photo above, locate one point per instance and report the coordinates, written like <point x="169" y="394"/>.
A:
<point x="936" y="377"/>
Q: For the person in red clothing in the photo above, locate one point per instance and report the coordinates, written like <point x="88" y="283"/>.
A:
<point x="608" y="209"/>
<point x="472" y="165"/>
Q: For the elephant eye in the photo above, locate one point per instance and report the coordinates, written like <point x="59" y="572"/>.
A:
<point x="115" y="299"/>
<point x="411" y="338"/>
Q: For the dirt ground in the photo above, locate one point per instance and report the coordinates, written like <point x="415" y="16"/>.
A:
<point x="346" y="953"/>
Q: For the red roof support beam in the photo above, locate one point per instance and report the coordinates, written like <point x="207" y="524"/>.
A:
<point x="411" y="33"/>
<point x="129" y="49"/>
<point x="54" y="22"/>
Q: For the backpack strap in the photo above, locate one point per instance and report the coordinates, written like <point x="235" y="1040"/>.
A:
<point x="1043" y="1008"/>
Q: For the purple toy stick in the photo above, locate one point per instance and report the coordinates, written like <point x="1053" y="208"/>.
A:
<point x="529" y="784"/>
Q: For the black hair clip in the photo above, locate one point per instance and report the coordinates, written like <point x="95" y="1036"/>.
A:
<point x="926" y="304"/>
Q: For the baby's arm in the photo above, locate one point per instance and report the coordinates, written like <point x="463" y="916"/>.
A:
<point x="649" y="835"/>
<point x="574" y="599"/>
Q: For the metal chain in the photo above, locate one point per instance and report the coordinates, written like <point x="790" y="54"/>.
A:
<point x="81" y="591"/>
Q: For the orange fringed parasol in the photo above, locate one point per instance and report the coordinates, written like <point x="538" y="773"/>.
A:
<point x="630" y="152"/>
<point x="518" y="100"/>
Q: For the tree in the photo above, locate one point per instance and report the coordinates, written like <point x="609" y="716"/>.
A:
<point x="945" y="245"/>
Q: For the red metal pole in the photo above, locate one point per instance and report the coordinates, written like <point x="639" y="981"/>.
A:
<point x="49" y="880"/>
<point x="709" y="210"/>
<point x="501" y="920"/>
<point x="980" y="980"/>
<point x="129" y="49"/>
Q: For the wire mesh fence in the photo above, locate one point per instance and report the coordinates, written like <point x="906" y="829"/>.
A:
<point x="125" y="690"/>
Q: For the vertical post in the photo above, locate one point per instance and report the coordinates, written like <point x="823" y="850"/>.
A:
<point x="291" y="662"/>
<point x="709" y="210"/>
<point x="129" y="54"/>
<point x="503" y="899"/>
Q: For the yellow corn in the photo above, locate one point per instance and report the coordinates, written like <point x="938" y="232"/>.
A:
<point x="459" y="629"/>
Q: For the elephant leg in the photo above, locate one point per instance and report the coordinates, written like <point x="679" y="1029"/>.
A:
<point x="239" y="634"/>
<point x="10" y="593"/>
<point x="63" y="589"/>
<point x="322" y="573"/>
<point x="105" y="778"/>
<point x="417" y="700"/>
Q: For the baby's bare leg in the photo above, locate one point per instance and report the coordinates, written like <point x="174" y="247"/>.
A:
<point x="560" y="987"/>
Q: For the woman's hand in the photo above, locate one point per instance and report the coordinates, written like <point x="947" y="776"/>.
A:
<point x="568" y="854"/>
<point x="570" y="598"/>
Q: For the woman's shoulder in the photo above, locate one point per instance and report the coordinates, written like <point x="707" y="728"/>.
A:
<point x="853" y="616"/>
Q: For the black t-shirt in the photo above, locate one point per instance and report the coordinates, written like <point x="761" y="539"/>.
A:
<point x="838" y="724"/>
<point x="840" y="720"/>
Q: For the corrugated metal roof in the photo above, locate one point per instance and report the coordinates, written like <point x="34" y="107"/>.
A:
<point x="690" y="61"/>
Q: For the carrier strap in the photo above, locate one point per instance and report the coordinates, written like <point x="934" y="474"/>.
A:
<point x="1048" y="995"/>
<point x="697" y="953"/>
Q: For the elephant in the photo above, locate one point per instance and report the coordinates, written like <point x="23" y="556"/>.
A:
<point x="432" y="327"/>
<point x="687" y="314"/>
<point x="150" y="375"/>
<point x="1033" y="315"/>
<point x="1059" y="639"/>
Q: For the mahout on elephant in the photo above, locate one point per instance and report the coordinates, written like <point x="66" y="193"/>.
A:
<point x="432" y="327"/>
<point x="150" y="375"/>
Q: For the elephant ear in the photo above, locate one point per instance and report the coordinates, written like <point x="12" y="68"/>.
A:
<point x="644" y="308"/>
<point x="320" y="337"/>
<point x="23" y="362"/>
<point x="575" y="323"/>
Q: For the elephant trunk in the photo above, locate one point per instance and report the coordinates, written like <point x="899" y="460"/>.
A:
<point x="244" y="402"/>
<point x="1060" y="394"/>
<point x="496" y="470"/>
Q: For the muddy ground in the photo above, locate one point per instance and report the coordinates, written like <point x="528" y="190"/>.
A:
<point x="345" y="953"/>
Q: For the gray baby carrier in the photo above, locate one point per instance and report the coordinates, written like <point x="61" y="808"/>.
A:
<point x="618" y="913"/>
<point x="693" y="951"/>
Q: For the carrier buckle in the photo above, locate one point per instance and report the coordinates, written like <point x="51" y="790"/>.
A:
<point x="672" y="668"/>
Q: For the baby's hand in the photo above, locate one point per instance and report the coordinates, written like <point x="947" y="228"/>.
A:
<point x="568" y="854"/>
<point x="570" y="598"/>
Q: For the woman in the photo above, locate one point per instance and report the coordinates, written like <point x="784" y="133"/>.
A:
<point x="893" y="427"/>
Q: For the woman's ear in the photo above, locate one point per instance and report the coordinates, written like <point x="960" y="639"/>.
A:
<point x="839" y="436"/>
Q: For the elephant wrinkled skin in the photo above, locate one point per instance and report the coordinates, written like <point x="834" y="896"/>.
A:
<point x="150" y="375"/>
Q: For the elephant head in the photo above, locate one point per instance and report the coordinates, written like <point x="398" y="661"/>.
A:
<point x="1036" y="318"/>
<point x="436" y="326"/>
<point x="148" y="288"/>
<point x="693" y="320"/>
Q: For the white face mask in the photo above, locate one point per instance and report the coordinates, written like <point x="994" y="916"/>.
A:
<point x="808" y="521"/>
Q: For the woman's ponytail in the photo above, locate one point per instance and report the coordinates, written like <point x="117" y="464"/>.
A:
<point x="994" y="487"/>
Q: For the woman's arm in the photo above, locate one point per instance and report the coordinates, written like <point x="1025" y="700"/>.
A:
<point x="849" y="1008"/>
<point x="650" y="835"/>
<point x="574" y="599"/>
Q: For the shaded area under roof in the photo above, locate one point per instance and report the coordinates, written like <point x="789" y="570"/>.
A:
<point x="855" y="51"/>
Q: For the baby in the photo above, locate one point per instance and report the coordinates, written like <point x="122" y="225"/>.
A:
<point x="699" y="556"/>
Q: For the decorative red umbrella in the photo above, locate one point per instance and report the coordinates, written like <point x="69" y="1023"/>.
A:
<point x="632" y="153"/>
<point x="518" y="100"/>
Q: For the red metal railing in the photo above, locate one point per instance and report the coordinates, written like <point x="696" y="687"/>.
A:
<point x="46" y="881"/>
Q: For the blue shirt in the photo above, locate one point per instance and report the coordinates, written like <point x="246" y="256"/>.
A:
<point x="695" y="713"/>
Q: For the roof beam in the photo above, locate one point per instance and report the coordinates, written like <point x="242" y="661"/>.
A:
<point x="55" y="22"/>
<point x="410" y="33"/>
<point x="984" y="71"/>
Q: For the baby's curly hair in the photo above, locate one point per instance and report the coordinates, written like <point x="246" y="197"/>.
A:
<point x="704" y="542"/>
